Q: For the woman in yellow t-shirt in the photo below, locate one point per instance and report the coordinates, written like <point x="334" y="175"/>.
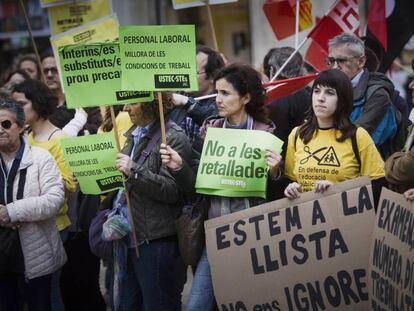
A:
<point x="326" y="148"/>
<point x="39" y="103"/>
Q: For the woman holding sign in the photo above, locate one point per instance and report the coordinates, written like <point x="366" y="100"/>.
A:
<point x="328" y="148"/>
<point x="39" y="103"/>
<point x="240" y="103"/>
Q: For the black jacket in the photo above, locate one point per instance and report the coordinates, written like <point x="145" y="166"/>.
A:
<point x="376" y="105"/>
<point x="153" y="191"/>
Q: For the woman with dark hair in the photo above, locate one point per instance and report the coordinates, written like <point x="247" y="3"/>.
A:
<point x="328" y="148"/>
<point x="240" y="103"/>
<point x="39" y="103"/>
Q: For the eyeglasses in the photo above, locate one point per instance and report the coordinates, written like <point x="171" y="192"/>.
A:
<point x="200" y="73"/>
<point x="330" y="61"/>
<point x="6" y="124"/>
<point x="53" y="70"/>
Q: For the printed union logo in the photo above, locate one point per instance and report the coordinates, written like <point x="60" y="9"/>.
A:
<point x="165" y="81"/>
<point x="324" y="156"/>
<point x="109" y="183"/>
<point x="123" y="95"/>
<point x="233" y="182"/>
<point x="84" y="35"/>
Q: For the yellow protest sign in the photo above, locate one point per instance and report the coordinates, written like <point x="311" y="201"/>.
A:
<point x="50" y="3"/>
<point x="68" y="16"/>
<point x="104" y="29"/>
<point x="101" y="30"/>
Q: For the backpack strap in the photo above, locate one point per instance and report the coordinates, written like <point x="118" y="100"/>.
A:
<point x="155" y="137"/>
<point x="355" y="148"/>
<point x="371" y="90"/>
<point x="51" y="134"/>
<point x="296" y="136"/>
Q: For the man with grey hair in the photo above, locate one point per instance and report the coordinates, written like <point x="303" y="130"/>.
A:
<point x="372" y="90"/>
<point x="289" y="111"/>
<point x="275" y="59"/>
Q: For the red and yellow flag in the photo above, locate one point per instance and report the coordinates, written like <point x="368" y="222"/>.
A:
<point x="281" y="16"/>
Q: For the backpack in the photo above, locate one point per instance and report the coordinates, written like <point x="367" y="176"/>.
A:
<point x="389" y="136"/>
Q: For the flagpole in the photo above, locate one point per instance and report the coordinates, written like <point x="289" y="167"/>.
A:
<point x="205" y="97"/>
<point x="299" y="47"/>
<point x="126" y="192"/>
<point x="211" y="22"/>
<point x="29" y="28"/>
<point x="162" y="121"/>
<point x="297" y="24"/>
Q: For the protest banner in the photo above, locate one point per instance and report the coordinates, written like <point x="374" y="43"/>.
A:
<point x="65" y="17"/>
<point x="104" y="29"/>
<point x="158" y="58"/>
<point x="233" y="162"/>
<point x="95" y="66"/>
<point x="391" y="264"/>
<point x="91" y="158"/>
<point x="306" y="254"/>
<point x="185" y="4"/>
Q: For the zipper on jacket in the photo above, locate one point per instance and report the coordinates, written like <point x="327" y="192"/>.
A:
<point x="6" y="179"/>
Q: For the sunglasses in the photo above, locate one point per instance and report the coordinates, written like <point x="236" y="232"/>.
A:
<point x="330" y="61"/>
<point x="6" y="124"/>
<point x="53" y="70"/>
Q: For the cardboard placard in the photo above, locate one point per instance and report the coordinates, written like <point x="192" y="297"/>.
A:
<point x="185" y="4"/>
<point x="91" y="158"/>
<point x="95" y="66"/>
<point x="233" y="162"/>
<point x="158" y="58"/>
<point x="391" y="270"/>
<point x="65" y="17"/>
<point x="307" y="254"/>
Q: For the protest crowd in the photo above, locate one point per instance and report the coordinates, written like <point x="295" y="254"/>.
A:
<point x="350" y="121"/>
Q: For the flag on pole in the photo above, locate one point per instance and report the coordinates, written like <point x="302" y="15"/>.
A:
<point x="377" y="21"/>
<point x="342" y="17"/>
<point x="281" y="88"/>
<point x="281" y="16"/>
<point x="391" y="23"/>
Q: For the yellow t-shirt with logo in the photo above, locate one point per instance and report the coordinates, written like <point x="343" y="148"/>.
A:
<point x="324" y="158"/>
<point x="53" y="146"/>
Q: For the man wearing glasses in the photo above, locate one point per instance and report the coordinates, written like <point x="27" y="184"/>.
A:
<point x="190" y="113"/>
<point x="62" y="115"/>
<point x="347" y="53"/>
